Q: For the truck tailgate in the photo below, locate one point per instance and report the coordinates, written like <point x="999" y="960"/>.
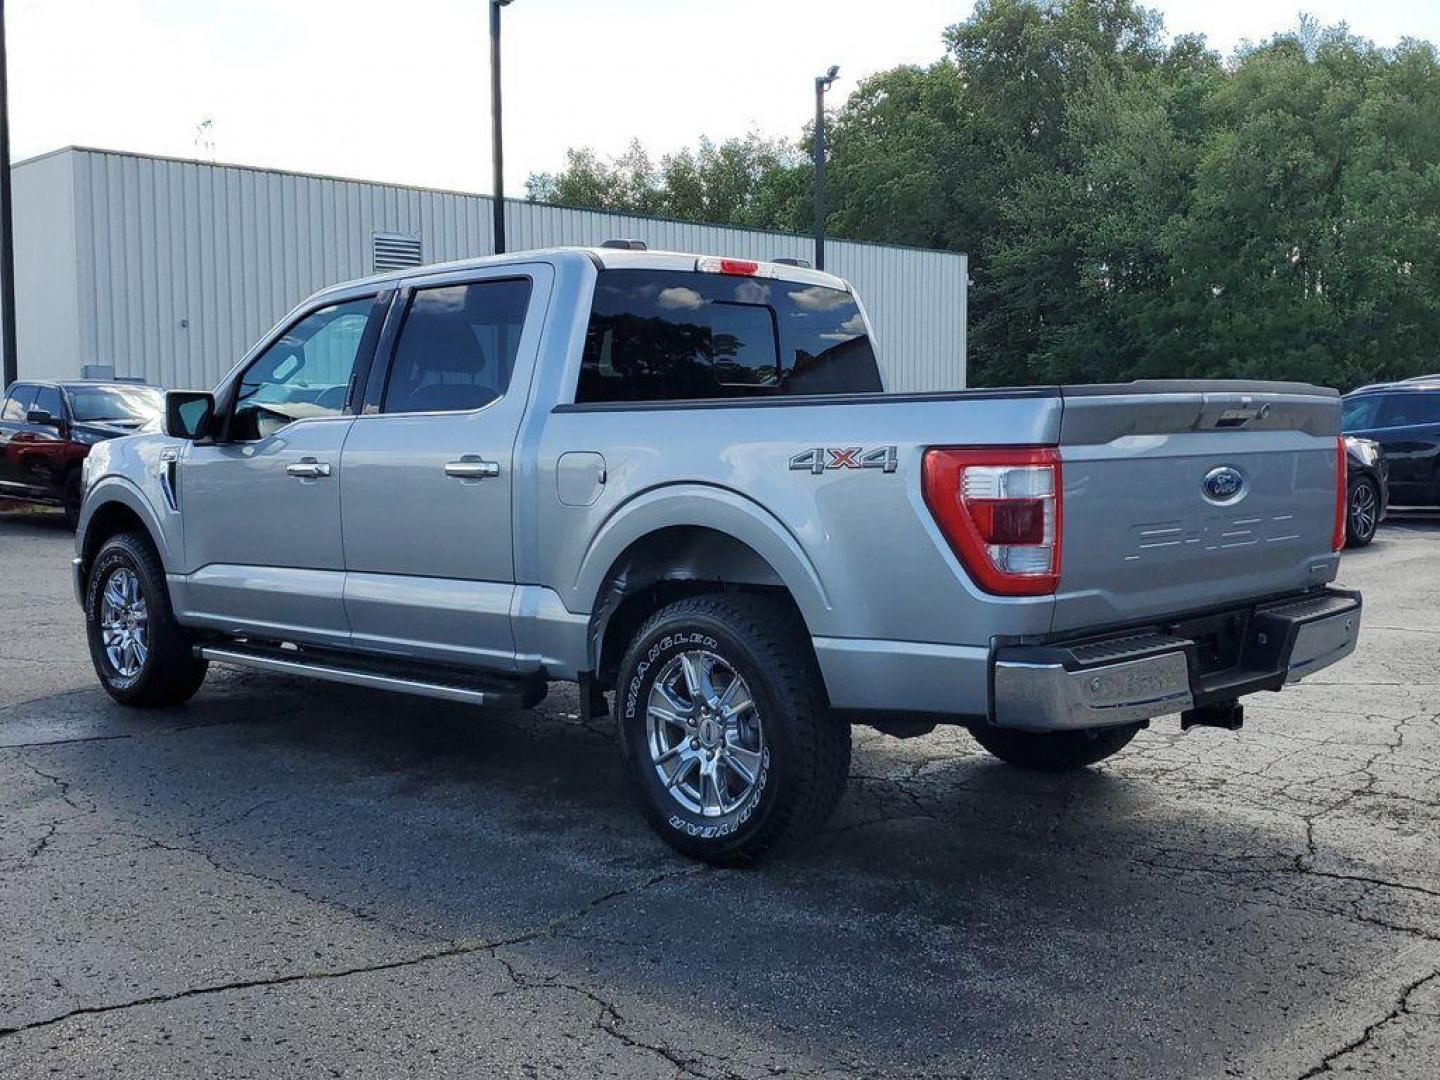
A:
<point x="1182" y="496"/>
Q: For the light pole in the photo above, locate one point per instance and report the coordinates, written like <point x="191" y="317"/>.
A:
<point x="822" y="83"/>
<point x="497" y="150"/>
<point x="11" y="370"/>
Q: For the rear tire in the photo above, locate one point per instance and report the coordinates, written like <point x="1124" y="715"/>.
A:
<point x="1054" y="751"/>
<point x="725" y="729"/>
<point x="1362" y="512"/>
<point x="141" y="654"/>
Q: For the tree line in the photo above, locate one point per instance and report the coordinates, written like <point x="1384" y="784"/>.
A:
<point x="1133" y="205"/>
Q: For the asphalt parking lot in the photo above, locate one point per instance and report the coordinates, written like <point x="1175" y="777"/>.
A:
<point x="288" y="878"/>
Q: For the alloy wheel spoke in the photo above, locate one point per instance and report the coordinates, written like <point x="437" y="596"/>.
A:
<point x="712" y="798"/>
<point x="696" y="678"/>
<point x="735" y="700"/>
<point x="678" y="767"/>
<point x="667" y="716"/>
<point x="744" y="761"/>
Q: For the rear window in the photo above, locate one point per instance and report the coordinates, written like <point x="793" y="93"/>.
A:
<point x="665" y="335"/>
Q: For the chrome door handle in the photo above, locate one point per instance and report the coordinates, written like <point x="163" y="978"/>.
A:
<point x="470" y="467"/>
<point x="308" y="470"/>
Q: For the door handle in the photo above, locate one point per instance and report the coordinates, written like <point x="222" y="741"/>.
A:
<point x="308" y="469"/>
<point x="471" y="467"/>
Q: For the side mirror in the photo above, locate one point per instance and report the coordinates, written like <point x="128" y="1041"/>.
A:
<point x="189" y="414"/>
<point x="42" y="416"/>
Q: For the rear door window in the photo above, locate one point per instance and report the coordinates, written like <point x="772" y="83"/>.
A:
<point x="1407" y="410"/>
<point x="666" y="335"/>
<point x="457" y="347"/>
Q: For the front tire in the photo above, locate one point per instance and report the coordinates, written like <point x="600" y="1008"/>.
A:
<point x="725" y="730"/>
<point x="141" y="654"/>
<point x="1362" y="512"/>
<point x="1054" y="751"/>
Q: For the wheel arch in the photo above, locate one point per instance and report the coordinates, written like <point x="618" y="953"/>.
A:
<point x="681" y="542"/>
<point x="113" y="507"/>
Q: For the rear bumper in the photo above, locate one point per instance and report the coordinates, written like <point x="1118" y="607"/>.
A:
<point x="1138" y="674"/>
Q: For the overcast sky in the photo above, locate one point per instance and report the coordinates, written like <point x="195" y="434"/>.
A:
<point x="398" y="89"/>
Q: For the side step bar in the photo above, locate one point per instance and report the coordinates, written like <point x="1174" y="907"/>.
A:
<point x="496" y="693"/>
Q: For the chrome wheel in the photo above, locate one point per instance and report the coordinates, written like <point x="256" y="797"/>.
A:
<point x="1363" y="511"/>
<point x="124" y="623"/>
<point x="706" y="739"/>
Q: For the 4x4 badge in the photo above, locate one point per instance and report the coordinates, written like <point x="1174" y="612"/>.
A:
<point x="845" y="457"/>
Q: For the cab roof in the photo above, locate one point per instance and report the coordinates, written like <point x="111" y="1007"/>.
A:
<point x="602" y="258"/>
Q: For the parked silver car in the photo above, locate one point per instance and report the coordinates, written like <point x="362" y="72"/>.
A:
<point x="678" y="478"/>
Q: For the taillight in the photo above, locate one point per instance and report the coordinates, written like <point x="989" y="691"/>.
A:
<point x="1342" y="483"/>
<point x="1001" y="512"/>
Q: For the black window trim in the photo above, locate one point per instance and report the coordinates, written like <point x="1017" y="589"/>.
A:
<point x="378" y="385"/>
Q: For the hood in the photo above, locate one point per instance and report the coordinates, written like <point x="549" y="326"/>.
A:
<point x="107" y="429"/>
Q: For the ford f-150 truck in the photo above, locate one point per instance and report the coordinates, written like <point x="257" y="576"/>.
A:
<point x="678" y="479"/>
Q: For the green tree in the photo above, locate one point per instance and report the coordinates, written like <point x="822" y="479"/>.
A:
<point x="1132" y="205"/>
<point x="752" y="182"/>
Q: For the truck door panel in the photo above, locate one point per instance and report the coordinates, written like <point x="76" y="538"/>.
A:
<point x="426" y="485"/>
<point x="262" y="507"/>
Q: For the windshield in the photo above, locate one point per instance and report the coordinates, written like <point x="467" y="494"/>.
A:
<point x="90" y="403"/>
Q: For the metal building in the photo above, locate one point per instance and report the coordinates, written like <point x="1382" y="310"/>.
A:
<point x="168" y="270"/>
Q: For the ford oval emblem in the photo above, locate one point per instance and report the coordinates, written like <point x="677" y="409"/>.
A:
<point x="1223" y="485"/>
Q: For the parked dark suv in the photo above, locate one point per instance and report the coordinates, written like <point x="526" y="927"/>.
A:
<point x="47" y="428"/>
<point x="1404" y="418"/>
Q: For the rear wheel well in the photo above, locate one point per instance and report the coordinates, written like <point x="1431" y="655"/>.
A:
<point x="666" y="566"/>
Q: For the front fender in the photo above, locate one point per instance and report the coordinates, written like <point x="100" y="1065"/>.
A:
<point x="130" y="471"/>
<point x="711" y="507"/>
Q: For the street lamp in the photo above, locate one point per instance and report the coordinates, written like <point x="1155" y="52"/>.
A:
<point x="497" y="151"/>
<point x="9" y="370"/>
<point x="822" y="83"/>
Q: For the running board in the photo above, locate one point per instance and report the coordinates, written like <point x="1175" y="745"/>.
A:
<point x="496" y="693"/>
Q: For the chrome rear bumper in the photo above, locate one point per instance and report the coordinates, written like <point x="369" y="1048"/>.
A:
<point x="1142" y="674"/>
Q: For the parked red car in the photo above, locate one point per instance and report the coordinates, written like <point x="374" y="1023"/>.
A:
<point x="47" y="428"/>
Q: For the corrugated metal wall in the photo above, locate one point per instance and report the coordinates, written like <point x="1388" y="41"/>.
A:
<point x="179" y="266"/>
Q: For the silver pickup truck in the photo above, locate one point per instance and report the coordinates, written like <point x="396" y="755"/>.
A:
<point x="679" y="479"/>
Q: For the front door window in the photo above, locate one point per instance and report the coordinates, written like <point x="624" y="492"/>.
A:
<point x="306" y="373"/>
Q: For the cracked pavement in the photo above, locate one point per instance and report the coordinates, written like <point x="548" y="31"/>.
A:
<point x="286" y="878"/>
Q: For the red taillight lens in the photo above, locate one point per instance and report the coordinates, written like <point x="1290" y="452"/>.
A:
<point x="712" y="264"/>
<point x="1342" y="484"/>
<point x="1000" y="509"/>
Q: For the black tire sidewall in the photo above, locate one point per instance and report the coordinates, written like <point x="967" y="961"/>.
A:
<point x="646" y="658"/>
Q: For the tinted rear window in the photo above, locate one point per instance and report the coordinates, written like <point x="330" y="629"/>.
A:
<point x="664" y="335"/>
